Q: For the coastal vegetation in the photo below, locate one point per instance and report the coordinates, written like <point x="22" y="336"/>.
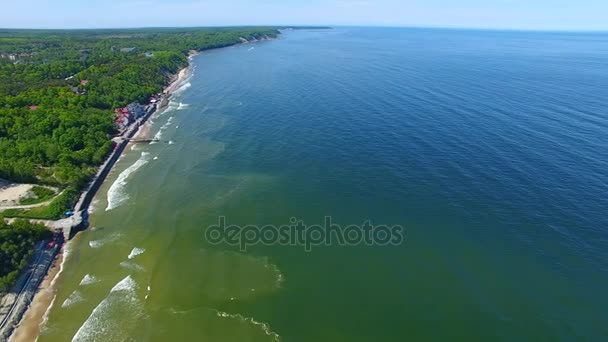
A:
<point x="17" y="241"/>
<point x="37" y="194"/>
<point x="58" y="90"/>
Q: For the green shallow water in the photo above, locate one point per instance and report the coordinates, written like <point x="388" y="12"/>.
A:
<point x="485" y="146"/>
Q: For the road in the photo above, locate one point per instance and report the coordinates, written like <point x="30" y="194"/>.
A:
<point x="14" y="304"/>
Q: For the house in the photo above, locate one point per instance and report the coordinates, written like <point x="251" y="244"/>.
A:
<point x="149" y="54"/>
<point x="84" y="82"/>
<point x="33" y="107"/>
<point x="122" y="119"/>
<point x="136" y="110"/>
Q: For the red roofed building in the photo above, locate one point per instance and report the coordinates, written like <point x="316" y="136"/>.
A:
<point x="33" y="107"/>
<point x="84" y="82"/>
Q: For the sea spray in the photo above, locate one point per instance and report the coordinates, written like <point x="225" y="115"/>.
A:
<point x="116" y="193"/>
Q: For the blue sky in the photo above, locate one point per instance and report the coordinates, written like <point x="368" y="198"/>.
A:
<point x="500" y="14"/>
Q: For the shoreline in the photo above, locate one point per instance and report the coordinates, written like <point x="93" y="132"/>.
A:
<point x="31" y="323"/>
<point x="34" y="318"/>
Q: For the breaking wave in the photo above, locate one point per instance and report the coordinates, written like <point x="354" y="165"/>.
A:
<point x="135" y="252"/>
<point x="132" y="266"/>
<point x="182" y="106"/>
<point x="116" y="193"/>
<point x="159" y="134"/>
<point x="88" y="280"/>
<point x="182" y="88"/>
<point x="119" y="312"/>
<point x="101" y="242"/>
<point x="74" y="298"/>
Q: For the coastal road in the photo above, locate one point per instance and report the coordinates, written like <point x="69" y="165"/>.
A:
<point x="14" y="304"/>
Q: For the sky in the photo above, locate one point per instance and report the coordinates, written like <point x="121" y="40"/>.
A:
<point x="495" y="14"/>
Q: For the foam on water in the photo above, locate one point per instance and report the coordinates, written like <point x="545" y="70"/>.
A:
<point x="112" y="319"/>
<point x="93" y="205"/>
<point x="45" y="316"/>
<point x="74" y="298"/>
<point x="159" y="134"/>
<point x="135" y="252"/>
<point x="132" y="266"/>
<point x="182" y="88"/>
<point x="182" y="106"/>
<point x="95" y="243"/>
<point x="88" y="280"/>
<point x="264" y="326"/>
<point x="99" y="243"/>
<point x="116" y="193"/>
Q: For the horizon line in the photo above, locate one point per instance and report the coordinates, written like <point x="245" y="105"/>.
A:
<point x="307" y="26"/>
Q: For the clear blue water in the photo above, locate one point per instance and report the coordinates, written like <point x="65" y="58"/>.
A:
<point x="489" y="147"/>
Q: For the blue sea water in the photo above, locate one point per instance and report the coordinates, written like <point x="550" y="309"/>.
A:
<point x="489" y="147"/>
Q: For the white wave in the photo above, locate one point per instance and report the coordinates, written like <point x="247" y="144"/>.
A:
<point x="155" y="158"/>
<point x="93" y="205"/>
<point x="134" y="147"/>
<point x="132" y="266"/>
<point x="45" y="316"/>
<point x="135" y="252"/>
<point x="171" y="142"/>
<point x="177" y="126"/>
<point x="99" y="243"/>
<point x="182" y="88"/>
<point x="88" y="280"/>
<point x="95" y="243"/>
<point x="119" y="312"/>
<point x="74" y="298"/>
<point x="116" y="193"/>
<point x="159" y="134"/>
<point x="67" y="250"/>
<point x="264" y="326"/>
<point x="182" y="106"/>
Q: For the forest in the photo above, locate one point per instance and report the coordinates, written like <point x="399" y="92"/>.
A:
<point x="16" y="244"/>
<point x="58" y="89"/>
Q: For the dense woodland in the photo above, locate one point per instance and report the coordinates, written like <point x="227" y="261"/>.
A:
<point x="55" y="130"/>
<point x="16" y="244"/>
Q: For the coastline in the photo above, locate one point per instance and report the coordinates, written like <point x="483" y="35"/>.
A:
<point x="32" y="321"/>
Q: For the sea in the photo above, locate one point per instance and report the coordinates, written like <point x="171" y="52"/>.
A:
<point x="481" y="155"/>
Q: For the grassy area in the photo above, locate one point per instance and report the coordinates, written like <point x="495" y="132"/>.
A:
<point x="55" y="210"/>
<point x="39" y="194"/>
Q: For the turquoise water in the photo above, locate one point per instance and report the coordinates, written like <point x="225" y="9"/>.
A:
<point x="488" y="147"/>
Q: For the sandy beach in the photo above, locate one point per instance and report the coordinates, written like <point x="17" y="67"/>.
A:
<point x="144" y="131"/>
<point x="32" y="322"/>
<point x="10" y="193"/>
